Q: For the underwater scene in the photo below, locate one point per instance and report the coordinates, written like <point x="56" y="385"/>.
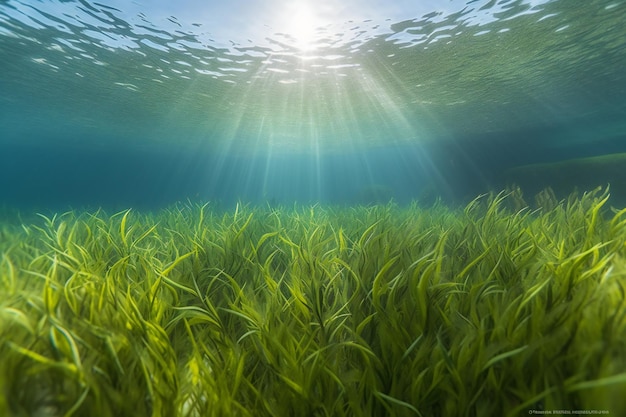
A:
<point x="312" y="208"/>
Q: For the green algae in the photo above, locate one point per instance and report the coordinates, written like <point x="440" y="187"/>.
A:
<point x="493" y="309"/>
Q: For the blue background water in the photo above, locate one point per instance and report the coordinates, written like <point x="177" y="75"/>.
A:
<point x="103" y="106"/>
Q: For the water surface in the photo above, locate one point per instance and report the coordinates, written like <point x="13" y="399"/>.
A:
<point x="110" y="102"/>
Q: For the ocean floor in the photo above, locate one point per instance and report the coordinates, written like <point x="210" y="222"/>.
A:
<point x="495" y="308"/>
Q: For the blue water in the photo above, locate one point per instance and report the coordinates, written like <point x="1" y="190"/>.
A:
<point x="117" y="104"/>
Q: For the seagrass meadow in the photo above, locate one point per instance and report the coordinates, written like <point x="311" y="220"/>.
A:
<point x="495" y="308"/>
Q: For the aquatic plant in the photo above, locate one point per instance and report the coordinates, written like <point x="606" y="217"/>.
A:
<point x="362" y="311"/>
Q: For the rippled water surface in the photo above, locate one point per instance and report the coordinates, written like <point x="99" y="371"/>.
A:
<point x="268" y="78"/>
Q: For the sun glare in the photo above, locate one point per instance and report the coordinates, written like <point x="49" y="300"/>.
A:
<point x="301" y="22"/>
